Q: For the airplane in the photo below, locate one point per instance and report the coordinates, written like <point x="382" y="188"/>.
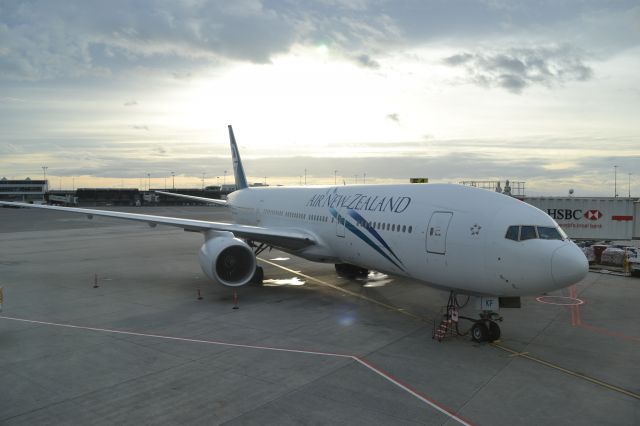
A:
<point x="456" y="238"/>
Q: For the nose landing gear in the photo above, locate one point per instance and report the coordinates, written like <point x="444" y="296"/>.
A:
<point x="485" y="329"/>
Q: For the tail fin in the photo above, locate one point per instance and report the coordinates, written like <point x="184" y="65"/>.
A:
<point x="238" y="170"/>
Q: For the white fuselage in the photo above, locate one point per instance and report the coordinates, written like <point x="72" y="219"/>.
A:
<point x="448" y="236"/>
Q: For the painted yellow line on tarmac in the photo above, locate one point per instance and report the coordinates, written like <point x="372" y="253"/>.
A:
<point x="349" y="292"/>
<point x="567" y="371"/>
<point x="513" y="353"/>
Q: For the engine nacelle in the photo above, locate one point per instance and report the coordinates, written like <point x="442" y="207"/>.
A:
<point x="227" y="260"/>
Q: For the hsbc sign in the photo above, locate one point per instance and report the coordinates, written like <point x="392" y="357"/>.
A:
<point x="593" y="214"/>
<point x="574" y="214"/>
<point x="604" y="218"/>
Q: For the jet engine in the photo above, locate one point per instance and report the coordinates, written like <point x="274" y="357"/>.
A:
<point x="228" y="261"/>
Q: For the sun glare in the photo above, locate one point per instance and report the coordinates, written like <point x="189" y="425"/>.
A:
<point x="303" y="100"/>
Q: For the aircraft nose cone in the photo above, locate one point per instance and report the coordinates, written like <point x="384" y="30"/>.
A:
<point x="568" y="265"/>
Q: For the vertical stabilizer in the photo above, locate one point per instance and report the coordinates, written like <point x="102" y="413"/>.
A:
<point x="238" y="170"/>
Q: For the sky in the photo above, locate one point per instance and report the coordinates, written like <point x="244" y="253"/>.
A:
<point x="122" y="93"/>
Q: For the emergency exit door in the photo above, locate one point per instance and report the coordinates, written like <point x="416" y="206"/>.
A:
<point x="437" y="232"/>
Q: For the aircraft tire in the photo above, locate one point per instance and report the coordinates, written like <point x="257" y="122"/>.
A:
<point x="350" y="271"/>
<point x="494" y="331"/>
<point x="258" y="276"/>
<point x="479" y="332"/>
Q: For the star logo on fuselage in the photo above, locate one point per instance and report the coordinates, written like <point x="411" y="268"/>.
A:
<point x="475" y="229"/>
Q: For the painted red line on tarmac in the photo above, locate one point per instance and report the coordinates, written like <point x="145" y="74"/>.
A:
<point x="609" y="332"/>
<point x="182" y="339"/>
<point x="574" y="311"/>
<point x="444" y="410"/>
<point x="449" y="413"/>
<point x="576" y="321"/>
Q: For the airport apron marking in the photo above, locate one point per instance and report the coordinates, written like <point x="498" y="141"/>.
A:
<point x="430" y="402"/>
<point x="513" y="353"/>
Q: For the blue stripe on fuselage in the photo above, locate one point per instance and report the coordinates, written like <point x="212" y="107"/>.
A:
<point x="354" y="214"/>
<point x="363" y="237"/>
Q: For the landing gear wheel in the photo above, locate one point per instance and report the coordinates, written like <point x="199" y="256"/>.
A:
<point x="494" y="331"/>
<point x="347" y="270"/>
<point x="479" y="332"/>
<point x="258" y="276"/>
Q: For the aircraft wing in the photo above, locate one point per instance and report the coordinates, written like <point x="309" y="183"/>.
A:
<point x="194" y="198"/>
<point x="283" y="238"/>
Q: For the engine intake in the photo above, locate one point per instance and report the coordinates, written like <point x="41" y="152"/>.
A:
<point x="228" y="261"/>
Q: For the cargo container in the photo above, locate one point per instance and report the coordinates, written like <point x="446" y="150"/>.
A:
<point x="636" y="221"/>
<point x="592" y="218"/>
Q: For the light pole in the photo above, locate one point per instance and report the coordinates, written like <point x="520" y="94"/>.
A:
<point x="615" y="181"/>
<point x="44" y="172"/>
<point x="335" y="177"/>
<point x="173" y="177"/>
<point x="203" y="173"/>
<point x="224" y="180"/>
<point x="629" y="185"/>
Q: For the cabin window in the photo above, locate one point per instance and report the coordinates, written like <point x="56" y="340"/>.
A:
<point x="410" y="228"/>
<point x="404" y="228"/>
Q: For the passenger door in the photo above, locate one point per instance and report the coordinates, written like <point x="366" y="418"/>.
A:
<point x="437" y="232"/>
<point x="340" y="224"/>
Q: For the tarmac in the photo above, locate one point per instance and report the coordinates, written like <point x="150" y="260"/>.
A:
<point x="308" y="347"/>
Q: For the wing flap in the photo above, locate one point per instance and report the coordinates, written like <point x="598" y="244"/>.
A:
<point x="194" y="198"/>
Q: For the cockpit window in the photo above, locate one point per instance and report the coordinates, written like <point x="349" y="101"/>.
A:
<point x="528" y="233"/>
<point x="562" y="233"/>
<point x="548" y="233"/>
<point x="512" y="233"/>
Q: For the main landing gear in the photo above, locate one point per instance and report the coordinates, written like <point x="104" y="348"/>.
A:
<point x="485" y="329"/>
<point x="258" y="275"/>
<point x="350" y="271"/>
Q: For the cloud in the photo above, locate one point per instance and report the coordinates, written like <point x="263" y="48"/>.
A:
<point x="7" y="148"/>
<point x="181" y="75"/>
<point x="159" y="151"/>
<point x="394" y="117"/>
<point x="43" y="40"/>
<point x="138" y="127"/>
<point x="130" y="103"/>
<point x="519" y="68"/>
<point x="366" y="61"/>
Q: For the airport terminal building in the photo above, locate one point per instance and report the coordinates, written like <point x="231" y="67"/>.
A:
<point x="23" y="190"/>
